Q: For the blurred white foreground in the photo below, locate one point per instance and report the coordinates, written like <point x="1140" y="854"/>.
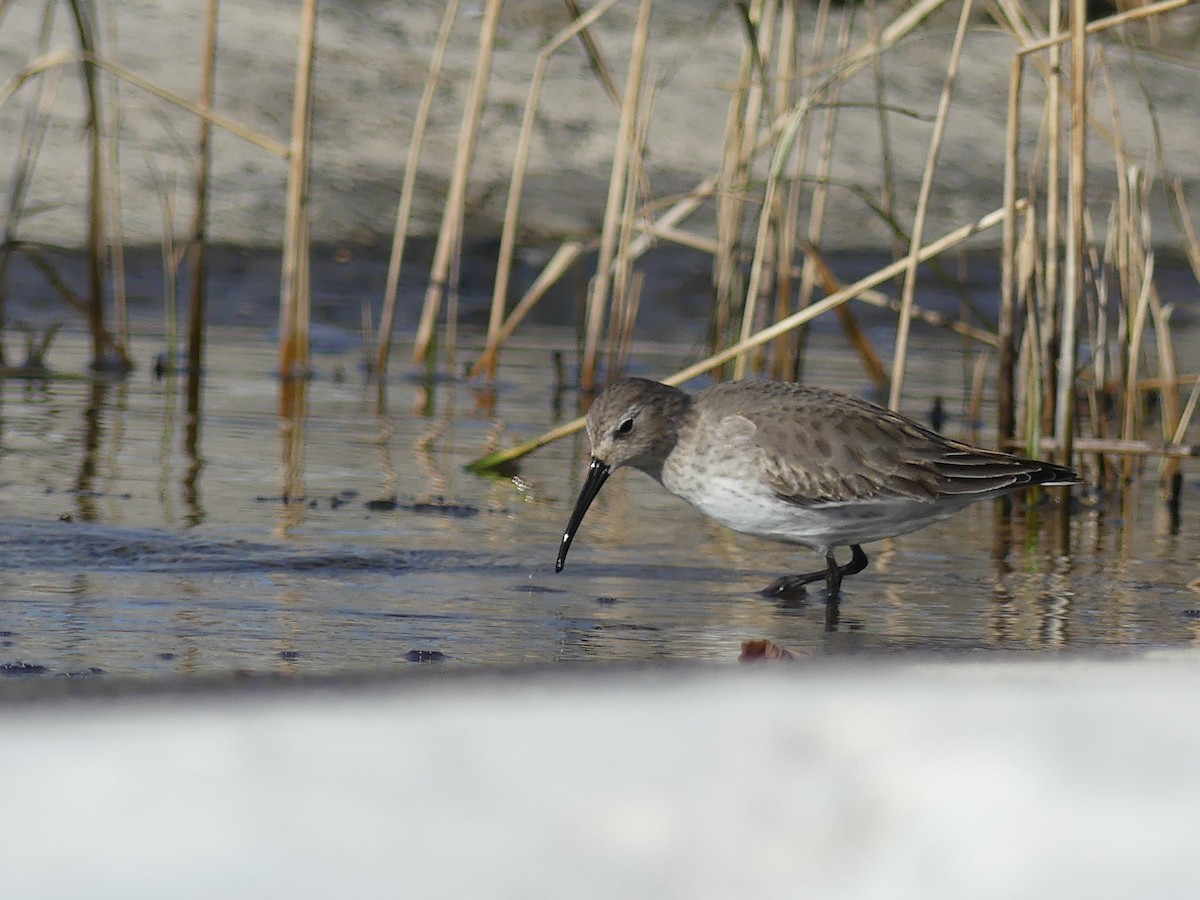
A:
<point x="955" y="778"/>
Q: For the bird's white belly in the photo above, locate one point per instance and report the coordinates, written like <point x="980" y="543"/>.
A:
<point x="754" y="509"/>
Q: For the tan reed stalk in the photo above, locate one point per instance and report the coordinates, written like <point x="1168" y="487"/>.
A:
<point x="223" y="122"/>
<point x="569" y="253"/>
<point x="622" y="336"/>
<point x="910" y="276"/>
<point x="1167" y="365"/>
<point x="760" y="37"/>
<point x="96" y="239"/>
<point x="888" y="187"/>
<point x="1064" y="407"/>
<point x="408" y="187"/>
<point x="729" y="198"/>
<point x="199" y="244"/>
<point x="508" y="232"/>
<point x="165" y="191"/>
<point x="1051" y="291"/>
<point x="1118" y="445"/>
<point x="850" y="325"/>
<point x="1015" y="17"/>
<point x="732" y="183"/>
<point x="1007" y="323"/>
<point x="33" y="132"/>
<point x="1189" y="411"/>
<point x="820" y="192"/>
<point x="898" y="29"/>
<point x="828" y="97"/>
<point x="799" y="186"/>
<point x="975" y="404"/>
<point x="597" y="298"/>
<point x="954" y="238"/>
<point x="455" y="205"/>
<point x="783" y="351"/>
<point x="592" y="49"/>
<point x="1027" y="264"/>
<point x="294" y="295"/>
<point x="1113" y="21"/>
<point x="1168" y="372"/>
<point x="1099" y="336"/>
<point x="625" y="297"/>
<point x="1183" y="220"/>
<point x="872" y="298"/>
<point x="113" y="183"/>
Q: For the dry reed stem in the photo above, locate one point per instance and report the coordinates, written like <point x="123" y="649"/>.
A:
<point x="820" y="191"/>
<point x="96" y="215"/>
<point x="223" y="122"/>
<point x="1189" y="410"/>
<point x="454" y="209"/>
<point x="113" y="181"/>
<point x="850" y="325"/>
<point x="508" y="232"/>
<point x="897" y="29"/>
<point x="1064" y="407"/>
<point x="888" y="187"/>
<point x="625" y="295"/>
<point x="900" y="357"/>
<point x="1051" y="290"/>
<point x="728" y="229"/>
<point x="199" y="248"/>
<point x="732" y="183"/>
<point x="597" y="296"/>
<point x="165" y="192"/>
<point x="1007" y="322"/>
<point x="1116" y="445"/>
<point x="594" y="56"/>
<point x="567" y="254"/>
<point x="870" y="297"/>
<point x="570" y="251"/>
<point x="784" y="350"/>
<point x="294" y="288"/>
<point x="963" y="233"/>
<point x="760" y="37"/>
<point x="407" y="190"/>
<point x="1191" y="245"/>
<point x="33" y="133"/>
<point x="1100" y="25"/>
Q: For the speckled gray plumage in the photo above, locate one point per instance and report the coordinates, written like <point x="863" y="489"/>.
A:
<point x="810" y="445"/>
<point x="794" y="463"/>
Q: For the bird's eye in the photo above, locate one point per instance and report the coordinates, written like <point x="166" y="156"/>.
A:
<point x="624" y="428"/>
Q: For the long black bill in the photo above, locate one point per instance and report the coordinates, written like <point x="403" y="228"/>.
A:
<point x="596" y="476"/>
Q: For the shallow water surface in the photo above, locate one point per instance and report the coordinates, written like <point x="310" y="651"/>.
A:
<point x="352" y="540"/>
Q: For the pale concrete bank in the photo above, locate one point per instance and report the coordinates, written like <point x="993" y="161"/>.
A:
<point x="986" y="777"/>
<point x="371" y="66"/>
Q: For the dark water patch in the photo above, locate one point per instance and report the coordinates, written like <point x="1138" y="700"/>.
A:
<point x="20" y="669"/>
<point x="425" y="656"/>
<point x="68" y="546"/>
<point x="428" y="507"/>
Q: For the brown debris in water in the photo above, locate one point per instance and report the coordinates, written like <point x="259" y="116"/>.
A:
<point x="764" y="651"/>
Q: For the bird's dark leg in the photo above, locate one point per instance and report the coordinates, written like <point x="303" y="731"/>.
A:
<point x="832" y="574"/>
